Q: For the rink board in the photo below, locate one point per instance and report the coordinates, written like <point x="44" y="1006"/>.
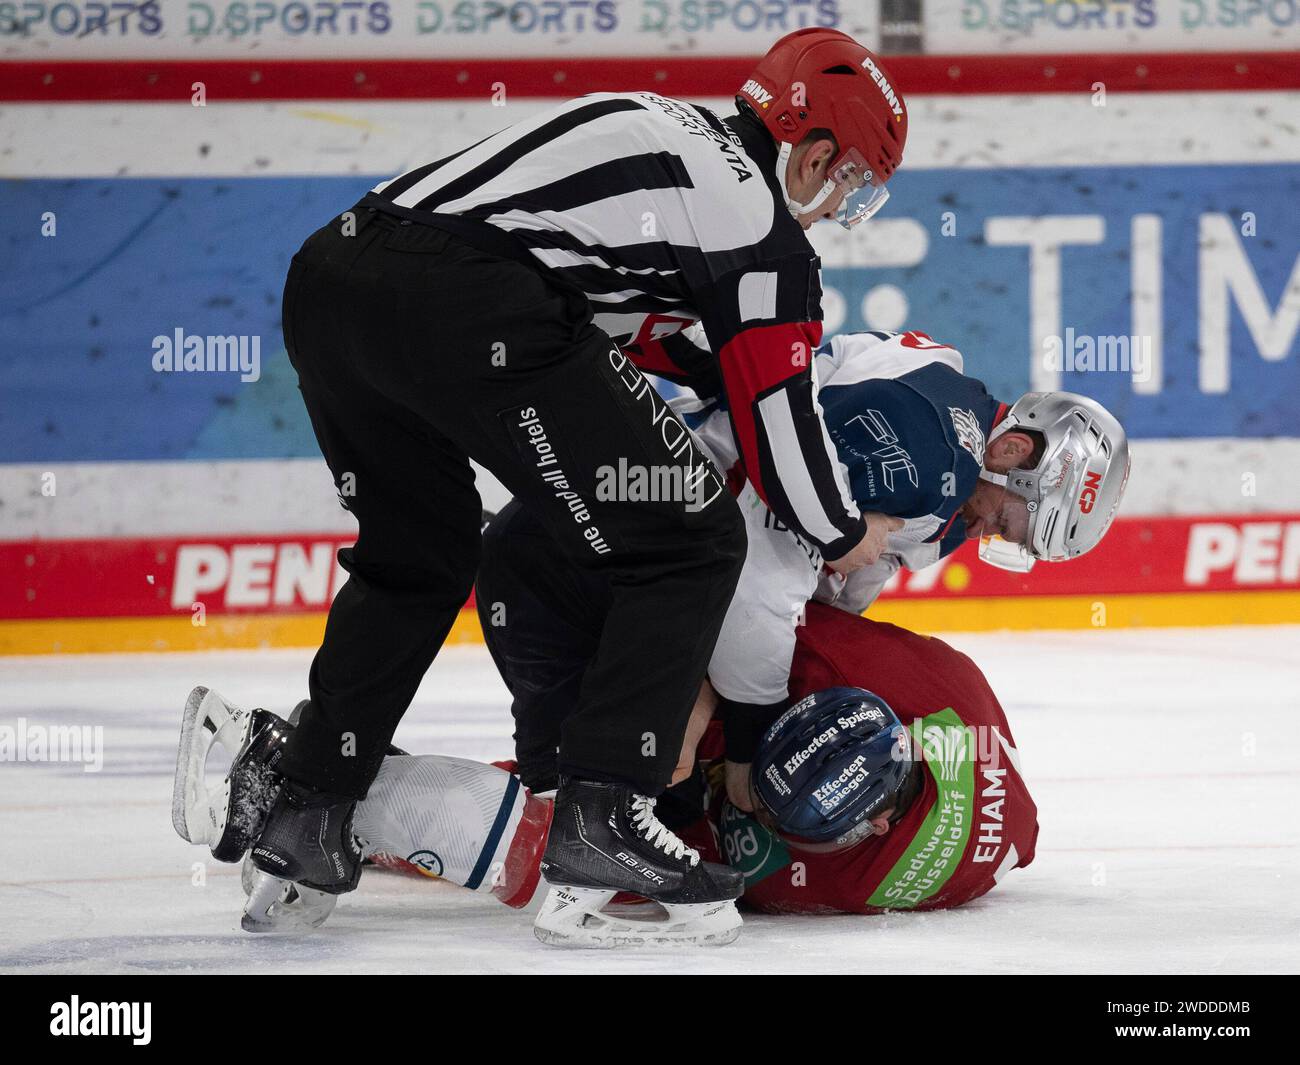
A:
<point x="188" y="593"/>
<point x="1180" y="323"/>
<point x="1011" y="614"/>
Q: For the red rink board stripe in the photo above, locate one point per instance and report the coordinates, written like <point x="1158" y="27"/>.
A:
<point x="687" y="76"/>
<point x="246" y="576"/>
<point x="144" y="577"/>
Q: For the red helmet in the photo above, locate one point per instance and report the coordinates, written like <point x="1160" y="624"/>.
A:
<point x="820" y="78"/>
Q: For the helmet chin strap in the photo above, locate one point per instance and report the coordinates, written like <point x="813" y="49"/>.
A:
<point x="795" y="207"/>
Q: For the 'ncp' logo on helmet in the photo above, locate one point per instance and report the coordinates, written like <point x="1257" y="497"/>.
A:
<point x="1091" y="483"/>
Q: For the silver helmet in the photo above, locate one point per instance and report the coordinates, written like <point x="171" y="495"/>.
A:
<point x="1073" y="493"/>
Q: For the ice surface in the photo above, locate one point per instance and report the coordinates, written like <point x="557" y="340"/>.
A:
<point x="1165" y="764"/>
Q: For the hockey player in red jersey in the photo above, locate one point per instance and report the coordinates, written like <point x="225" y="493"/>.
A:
<point x="961" y="820"/>
<point x="553" y="617"/>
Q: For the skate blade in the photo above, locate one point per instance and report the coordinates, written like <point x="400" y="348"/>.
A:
<point x="279" y="907"/>
<point x="581" y="918"/>
<point x="198" y="812"/>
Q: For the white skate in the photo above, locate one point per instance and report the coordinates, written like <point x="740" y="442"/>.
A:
<point x="588" y="917"/>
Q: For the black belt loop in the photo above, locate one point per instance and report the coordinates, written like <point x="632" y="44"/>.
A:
<point x="484" y="236"/>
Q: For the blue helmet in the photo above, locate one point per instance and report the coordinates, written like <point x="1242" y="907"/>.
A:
<point x="830" y="763"/>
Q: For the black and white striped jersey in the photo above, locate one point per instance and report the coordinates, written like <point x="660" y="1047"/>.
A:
<point x="666" y="215"/>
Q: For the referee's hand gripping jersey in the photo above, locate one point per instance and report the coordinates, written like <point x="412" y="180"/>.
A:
<point x="496" y="305"/>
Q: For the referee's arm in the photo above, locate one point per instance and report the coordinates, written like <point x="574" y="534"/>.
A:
<point x="766" y="365"/>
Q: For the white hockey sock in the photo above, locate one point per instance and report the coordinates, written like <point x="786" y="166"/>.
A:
<point x="467" y="822"/>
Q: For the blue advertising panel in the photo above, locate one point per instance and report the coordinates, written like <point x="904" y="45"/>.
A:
<point x="99" y="270"/>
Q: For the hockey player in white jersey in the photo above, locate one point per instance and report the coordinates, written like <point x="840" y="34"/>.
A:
<point x="918" y="439"/>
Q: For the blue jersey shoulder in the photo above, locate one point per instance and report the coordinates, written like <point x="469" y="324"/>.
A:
<point x="914" y="444"/>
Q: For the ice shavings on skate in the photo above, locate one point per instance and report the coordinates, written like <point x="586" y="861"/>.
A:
<point x="225" y="816"/>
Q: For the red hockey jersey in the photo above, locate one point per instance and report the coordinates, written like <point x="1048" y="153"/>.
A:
<point x="973" y="820"/>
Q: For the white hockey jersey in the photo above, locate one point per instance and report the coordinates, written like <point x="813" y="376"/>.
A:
<point x="909" y="429"/>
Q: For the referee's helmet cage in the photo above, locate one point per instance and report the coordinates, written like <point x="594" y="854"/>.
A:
<point x="829" y="764"/>
<point x="819" y="78"/>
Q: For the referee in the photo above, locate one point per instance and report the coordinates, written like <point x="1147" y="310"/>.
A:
<point x="500" y="304"/>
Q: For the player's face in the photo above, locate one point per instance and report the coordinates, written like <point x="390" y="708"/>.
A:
<point x="993" y="511"/>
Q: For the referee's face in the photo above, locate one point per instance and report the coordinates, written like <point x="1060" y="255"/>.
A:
<point x="826" y="209"/>
<point x="807" y="170"/>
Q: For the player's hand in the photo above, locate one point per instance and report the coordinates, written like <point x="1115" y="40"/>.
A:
<point x="871" y="546"/>
<point x="701" y="714"/>
<point x="737" y="776"/>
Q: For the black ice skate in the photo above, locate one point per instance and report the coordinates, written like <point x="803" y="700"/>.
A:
<point x="605" y="839"/>
<point x="228" y="817"/>
<point x="306" y="856"/>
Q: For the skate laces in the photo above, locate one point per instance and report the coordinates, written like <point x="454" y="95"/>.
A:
<point x="657" y="833"/>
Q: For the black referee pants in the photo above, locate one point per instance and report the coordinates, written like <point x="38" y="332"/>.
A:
<point x="556" y="614"/>
<point x="415" y="352"/>
<point x="556" y="611"/>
